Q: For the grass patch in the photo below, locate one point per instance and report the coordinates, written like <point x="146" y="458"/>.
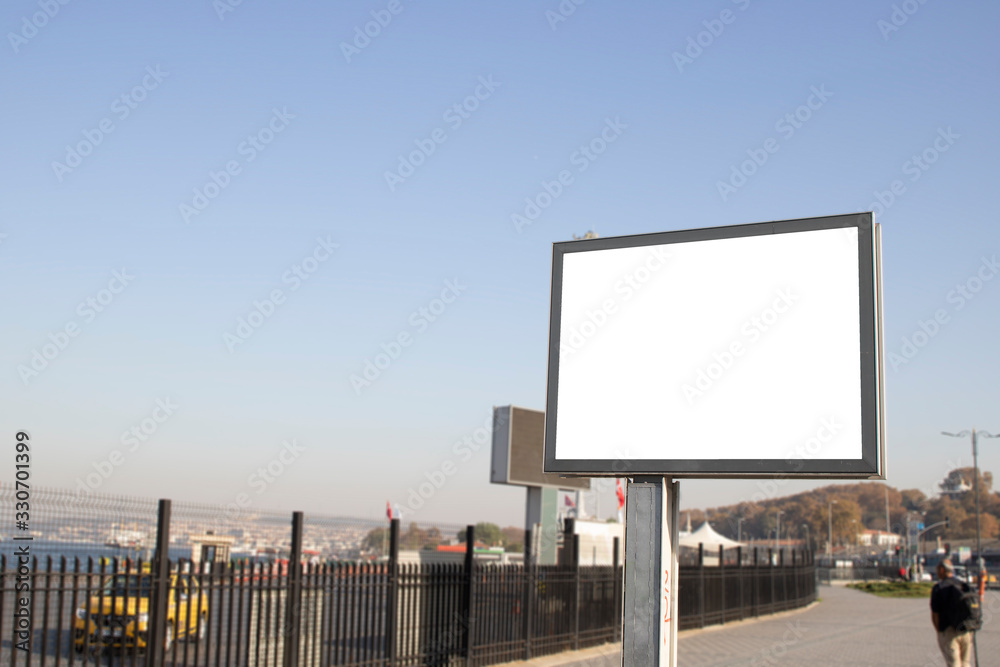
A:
<point x="895" y="589"/>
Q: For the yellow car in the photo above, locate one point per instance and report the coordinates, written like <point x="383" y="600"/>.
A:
<point x="117" y="616"/>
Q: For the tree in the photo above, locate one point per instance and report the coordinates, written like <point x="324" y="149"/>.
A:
<point x="413" y="539"/>
<point x="376" y="540"/>
<point x="513" y="535"/>
<point x="846" y="518"/>
<point x="941" y="508"/>
<point x="914" y="500"/>
<point x="989" y="526"/>
<point x="487" y="533"/>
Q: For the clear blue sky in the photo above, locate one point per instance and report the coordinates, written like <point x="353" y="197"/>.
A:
<point x="329" y="121"/>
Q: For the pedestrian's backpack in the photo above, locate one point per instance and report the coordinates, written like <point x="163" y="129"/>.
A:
<point x="969" y="616"/>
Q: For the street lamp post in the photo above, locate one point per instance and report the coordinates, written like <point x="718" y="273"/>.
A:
<point x="975" y="484"/>
<point x="806" y="526"/>
<point x="777" y="532"/>
<point x="739" y="529"/>
<point x="829" y="526"/>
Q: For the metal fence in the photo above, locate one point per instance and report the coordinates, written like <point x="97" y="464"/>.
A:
<point x="748" y="584"/>
<point x="290" y="611"/>
<point x="137" y="612"/>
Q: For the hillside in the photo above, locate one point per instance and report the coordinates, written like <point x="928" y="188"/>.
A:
<point x="860" y="506"/>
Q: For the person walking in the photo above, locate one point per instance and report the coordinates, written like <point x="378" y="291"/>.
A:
<point x="953" y="639"/>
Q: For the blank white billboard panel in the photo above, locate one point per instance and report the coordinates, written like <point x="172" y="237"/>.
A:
<point x="733" y="351"/>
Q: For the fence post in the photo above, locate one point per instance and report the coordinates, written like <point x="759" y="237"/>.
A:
<point x="528" y="598"/>
<point x="391" y="604"/>
<point x="575" y="564"/>
<point x="569" y="548"/>
<point x="770" y="570"/>
<point x="293" y="603"/>
<point x="161" y="580"/>
<point x="701" y="584"/>
<point x="796" y="562"/>
<point x="722" y="577"/>
<point x="470" y="594"/>
<point x="616" y="590"/>
<point x="739" y="571"/>
<point x="784" y="579"/>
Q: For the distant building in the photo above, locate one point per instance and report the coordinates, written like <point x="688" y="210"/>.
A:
<point x="878" y="538"/>
<point x="955" y="490"/>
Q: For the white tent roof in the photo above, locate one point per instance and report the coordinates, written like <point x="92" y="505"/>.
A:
<point x="706" y="535"/>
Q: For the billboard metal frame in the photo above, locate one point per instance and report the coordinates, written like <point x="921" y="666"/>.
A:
<point x="502" y="465"/>
<point x="871" y="464"/>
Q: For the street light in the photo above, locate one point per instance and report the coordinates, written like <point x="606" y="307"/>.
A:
<point x="739" y="529"/>
<point x="777" y="532"/>
<point x="975" y="467"/>
<point x="829" y="525"/>
<point x="929" y="528"/>
<point x="806" y="526"/>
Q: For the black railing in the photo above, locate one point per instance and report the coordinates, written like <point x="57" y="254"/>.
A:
<point x="384" y="614"/>
<point x="735" y="590"/>
<point x="238" y="614"/>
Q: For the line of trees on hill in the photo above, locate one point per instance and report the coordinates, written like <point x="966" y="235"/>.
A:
<point x="853" y="508"/>
<point x="413" y="537"/>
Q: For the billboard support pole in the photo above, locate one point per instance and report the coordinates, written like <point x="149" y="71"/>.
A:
<point x="652" y="521"/>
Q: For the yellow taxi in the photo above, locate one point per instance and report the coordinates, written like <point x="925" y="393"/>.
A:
<point x="117" y="615"/>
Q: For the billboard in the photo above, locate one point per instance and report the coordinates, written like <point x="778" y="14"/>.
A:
<point x="743" y="351"/>
<point x="518" y="444"/>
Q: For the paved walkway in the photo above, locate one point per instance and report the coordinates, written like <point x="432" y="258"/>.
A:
<point x="847" y="628"/>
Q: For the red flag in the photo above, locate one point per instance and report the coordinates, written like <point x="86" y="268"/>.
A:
<point x="620" y="493"/>
<point x="570" y="503"/>
<point x="388" y="510"/>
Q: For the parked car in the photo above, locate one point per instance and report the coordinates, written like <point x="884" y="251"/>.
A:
<point x="117" y="616"/>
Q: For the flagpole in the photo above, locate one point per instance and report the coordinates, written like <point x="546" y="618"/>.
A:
<point x="385" y="533"/>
